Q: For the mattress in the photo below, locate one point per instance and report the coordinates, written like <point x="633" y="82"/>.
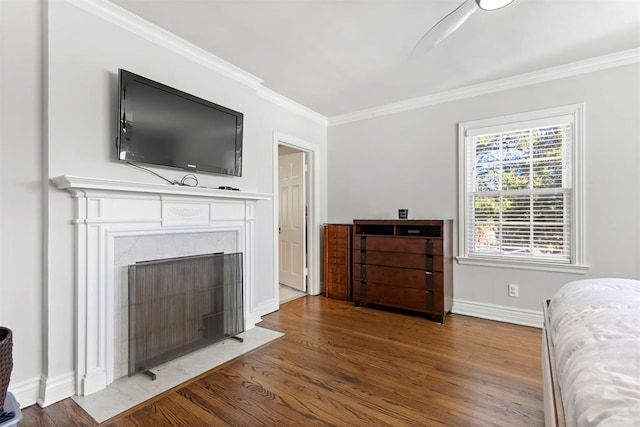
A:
<point x="595" y="327"/>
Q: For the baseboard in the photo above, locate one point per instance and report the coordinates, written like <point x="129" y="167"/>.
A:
<point x="26" y="392"/>
<point x="266" y="307"/>
<point x="500" y="313"/>
<point x="251" y="320"/>
<point x="55" y="389"/>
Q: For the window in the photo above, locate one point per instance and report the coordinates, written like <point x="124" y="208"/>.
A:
<point x="520" y="190"/>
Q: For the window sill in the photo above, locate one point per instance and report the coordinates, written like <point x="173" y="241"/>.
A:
<point x="524" y="265"/>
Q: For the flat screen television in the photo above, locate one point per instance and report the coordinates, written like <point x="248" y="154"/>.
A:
<point x="160" y="125"/>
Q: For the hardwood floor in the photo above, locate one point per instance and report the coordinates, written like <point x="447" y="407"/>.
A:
<point x="347" y="366"/>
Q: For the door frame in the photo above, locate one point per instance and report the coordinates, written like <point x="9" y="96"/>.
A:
<point x="313" y="211"/>
<point x="291" y="276"/>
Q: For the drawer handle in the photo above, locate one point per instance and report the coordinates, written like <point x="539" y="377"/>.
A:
<point x="429" y="246"/>
<point x="428" y="272"/>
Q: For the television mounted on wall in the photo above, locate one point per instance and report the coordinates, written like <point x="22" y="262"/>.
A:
<point x="163" y="126"/>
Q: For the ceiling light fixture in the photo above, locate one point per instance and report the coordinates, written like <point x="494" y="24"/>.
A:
<point x="451" y="22"/>
<point x="492" y="4"/>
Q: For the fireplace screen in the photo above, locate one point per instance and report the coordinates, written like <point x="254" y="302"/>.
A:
<point x="180" y="305"/>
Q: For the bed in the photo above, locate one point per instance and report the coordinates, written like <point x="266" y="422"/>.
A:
<point x="591" y="354"/>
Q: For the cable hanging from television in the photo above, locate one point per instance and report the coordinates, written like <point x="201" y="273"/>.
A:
<point x="189" y="177"/>
<point x="189" y="180"/>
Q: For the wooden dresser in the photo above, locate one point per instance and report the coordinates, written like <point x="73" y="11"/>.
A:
<point x="405" y="264"/>
<point x="337" y="261"/>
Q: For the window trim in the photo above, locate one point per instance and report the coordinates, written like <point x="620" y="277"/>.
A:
<point x="577" y="263"/>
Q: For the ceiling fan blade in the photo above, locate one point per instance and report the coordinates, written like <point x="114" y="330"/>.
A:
<point x="446" y="26"/>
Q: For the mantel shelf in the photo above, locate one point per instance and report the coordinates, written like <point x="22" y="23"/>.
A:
<point x="74" y="183"/>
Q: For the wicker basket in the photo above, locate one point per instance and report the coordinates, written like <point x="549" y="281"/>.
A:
<point x="6" y="362"/>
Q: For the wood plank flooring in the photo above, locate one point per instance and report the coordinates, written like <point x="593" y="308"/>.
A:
<point x="346" y="366"/>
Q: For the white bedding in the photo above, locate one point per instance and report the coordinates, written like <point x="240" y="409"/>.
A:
<point x="595" y="325"/>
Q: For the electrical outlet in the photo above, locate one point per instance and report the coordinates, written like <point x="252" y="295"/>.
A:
<point x="513" y="290"/>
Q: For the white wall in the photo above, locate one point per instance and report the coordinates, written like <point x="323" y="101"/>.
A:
<point x="82" y="54"/>
<point x="409" y="160"/>
<point x="21" y="190"/>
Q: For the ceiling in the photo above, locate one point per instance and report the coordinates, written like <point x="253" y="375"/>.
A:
<point x="341" y="56"/>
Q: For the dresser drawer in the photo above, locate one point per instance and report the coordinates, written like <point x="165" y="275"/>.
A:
<point x="338" y="233"/>
<point x="408" y="298"/>
<point x="334" y="247"/>
<point x="338" y="277"/>
<point x="398" y="259"/>
<point x="401" y="277"/>
<point x="337" y="258"/>
<point x="341" y="242"/>
<point x="331" y="268"/>
<point x="398" y="244"/>
<point x="337" y="292"/>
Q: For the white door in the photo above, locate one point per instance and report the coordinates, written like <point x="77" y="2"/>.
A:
<point x="292" y="220"/>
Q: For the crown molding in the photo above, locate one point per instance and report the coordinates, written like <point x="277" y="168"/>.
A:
<point x="613" y="60"/>
<point x="153" y="33"/>
<point x="143" y="28"/>
<point x="276" y="98"/>
<point x="131" y="22"/>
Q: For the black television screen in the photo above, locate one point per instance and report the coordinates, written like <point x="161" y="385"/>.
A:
<point x="163" y="126"/>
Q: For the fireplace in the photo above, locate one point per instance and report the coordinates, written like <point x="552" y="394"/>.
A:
<point x="179" y="305"/>
<point x="114" y="220"/>
<point x="131" y="249"/>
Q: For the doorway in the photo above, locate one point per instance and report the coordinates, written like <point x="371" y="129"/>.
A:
<point x="296" y="271"/>
<point x="292" y="221"/>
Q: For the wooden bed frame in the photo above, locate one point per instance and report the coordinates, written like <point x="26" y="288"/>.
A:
<point x="553" y="407"/>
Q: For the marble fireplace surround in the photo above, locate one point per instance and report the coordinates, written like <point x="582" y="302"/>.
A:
<point x="108" y="212"/>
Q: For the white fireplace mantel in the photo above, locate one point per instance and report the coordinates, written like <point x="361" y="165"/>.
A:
<point x="108" y="209"/>
<point x="75" y="183"/>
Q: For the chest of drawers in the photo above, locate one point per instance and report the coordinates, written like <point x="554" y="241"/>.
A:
<point x="405" y="264"/>
<point x="337" y="261"/>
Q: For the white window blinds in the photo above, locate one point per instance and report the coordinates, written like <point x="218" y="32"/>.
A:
<point x="519" y="190"/>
